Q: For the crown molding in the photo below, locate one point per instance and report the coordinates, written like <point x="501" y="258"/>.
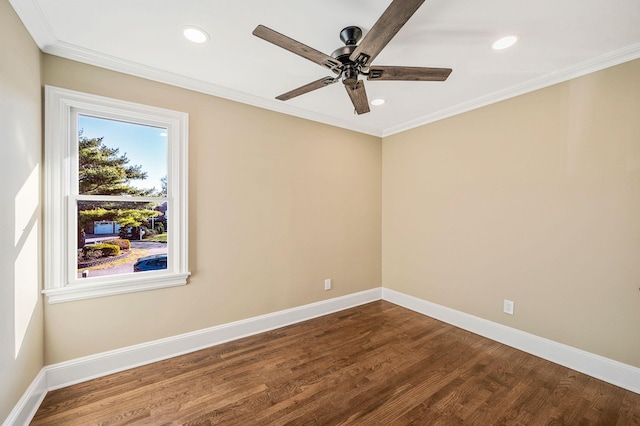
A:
<point x="599" y="63"/>
<point x="35" y="22"/>
<point x="33" y="19"/>
<point x="87" y="56"/>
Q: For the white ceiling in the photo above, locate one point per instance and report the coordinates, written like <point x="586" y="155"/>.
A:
<point x="559" y="39"/>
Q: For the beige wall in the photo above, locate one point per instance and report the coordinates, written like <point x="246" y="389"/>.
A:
<point x="535" y="199"/>
<point x="277" y="204"/>
<point x="21" y="329"/>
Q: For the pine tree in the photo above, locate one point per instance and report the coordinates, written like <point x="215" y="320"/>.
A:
<point x="102" y="171"/>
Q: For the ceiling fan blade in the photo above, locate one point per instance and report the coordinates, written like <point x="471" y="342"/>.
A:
<point x="408" y="73"/>
<point x="296" y="47"/>
<point x="396" y="15"/>
<point x="358" y="97"/>
<point x="318" y="84"/>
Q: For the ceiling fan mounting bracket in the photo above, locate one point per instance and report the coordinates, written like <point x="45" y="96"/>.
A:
<point x="350" y="35"/>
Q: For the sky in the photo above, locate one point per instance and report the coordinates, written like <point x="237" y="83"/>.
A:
<point x="143" y="145"/>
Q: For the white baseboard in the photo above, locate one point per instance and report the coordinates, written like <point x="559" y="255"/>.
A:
<point x="86" y="368"/>
<point x="26" y="408"/>
<point x="82" y="369"/>
<point x="608" y="370"/>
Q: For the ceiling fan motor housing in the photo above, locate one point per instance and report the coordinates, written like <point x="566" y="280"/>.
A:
<point x="350" y="75"/>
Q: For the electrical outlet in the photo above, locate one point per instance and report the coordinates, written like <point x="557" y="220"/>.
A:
<point x="327" y="284"/>
<point x="508" y="306"/>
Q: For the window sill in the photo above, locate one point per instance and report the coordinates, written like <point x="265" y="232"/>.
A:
<point x="124" y="285"/>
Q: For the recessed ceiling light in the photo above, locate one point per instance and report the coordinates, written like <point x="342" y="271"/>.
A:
<point x="377" y="102"/>
<point x="504" y="42"/>
<point x="195" y="34"/>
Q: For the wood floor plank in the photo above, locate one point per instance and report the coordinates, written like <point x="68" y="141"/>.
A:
<point x="376" y="364"/>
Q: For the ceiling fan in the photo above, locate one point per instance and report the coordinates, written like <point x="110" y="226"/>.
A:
<point x="353" y="60"/>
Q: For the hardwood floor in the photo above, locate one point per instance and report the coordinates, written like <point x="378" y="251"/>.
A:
<point x="377" y="364"/>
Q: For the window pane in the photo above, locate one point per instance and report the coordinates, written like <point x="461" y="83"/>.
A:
<point x="138" y="230"/>
<point x="120" y="158"/>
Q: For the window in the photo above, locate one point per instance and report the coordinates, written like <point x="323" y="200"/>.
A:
<point x="116" y="196"/>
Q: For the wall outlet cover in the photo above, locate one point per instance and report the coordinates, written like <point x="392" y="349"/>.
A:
<point x="508" y="307"/>
<point x="327" y="284"/>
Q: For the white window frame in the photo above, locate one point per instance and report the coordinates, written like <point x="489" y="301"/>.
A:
<point x="61" y="156"/>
